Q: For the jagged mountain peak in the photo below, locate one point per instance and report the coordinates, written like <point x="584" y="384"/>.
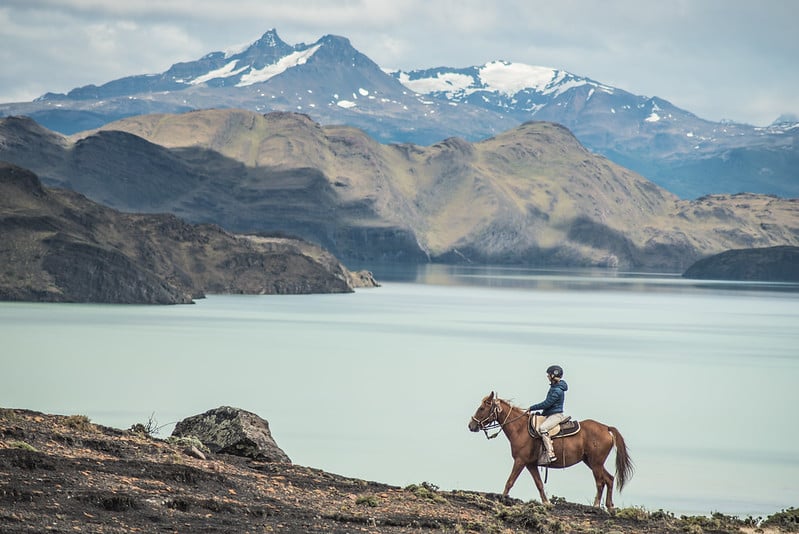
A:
<point x="270" y="38"/>
<point x="786" y="118"/>
<point x="268" y="46"/>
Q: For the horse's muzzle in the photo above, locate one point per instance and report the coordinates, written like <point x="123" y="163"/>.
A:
<point x="473" y="426"/>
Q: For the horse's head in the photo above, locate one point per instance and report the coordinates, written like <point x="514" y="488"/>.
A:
<point x="487" y="413"/>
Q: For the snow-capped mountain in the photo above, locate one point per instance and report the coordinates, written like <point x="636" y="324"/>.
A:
<point x="329" y="80"/>
<point x="670" y="146"/>
<point x="336" y="84"/>
<point x="254" y="65"/>
<point x="515" y="88"/>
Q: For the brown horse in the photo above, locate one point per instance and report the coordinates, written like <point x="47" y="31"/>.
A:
<point x="591" y="445"/>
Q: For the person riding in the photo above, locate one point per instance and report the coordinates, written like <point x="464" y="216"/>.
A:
<point x="552" y="407"/>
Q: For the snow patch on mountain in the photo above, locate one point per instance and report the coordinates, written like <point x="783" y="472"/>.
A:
<point x="445" y="82"/>
<point x="282" y="65"/>
<point x="510" y="78"/>
<point x="224" y="72"/>
<point x="499" y="77"/>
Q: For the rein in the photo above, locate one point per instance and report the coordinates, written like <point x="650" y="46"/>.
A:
<point x="493" y="420"/>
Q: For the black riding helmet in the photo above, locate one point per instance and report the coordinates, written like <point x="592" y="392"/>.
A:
<point x="555" y="370"/>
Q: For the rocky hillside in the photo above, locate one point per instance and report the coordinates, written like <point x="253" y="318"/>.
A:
<point x="532" y="195"/>
<point x="66" y="474"/>
<point x="771" y="264"/>
<point x="56" y="245"/>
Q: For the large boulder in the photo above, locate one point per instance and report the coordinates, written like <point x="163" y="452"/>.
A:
<point x="233" y="431"/>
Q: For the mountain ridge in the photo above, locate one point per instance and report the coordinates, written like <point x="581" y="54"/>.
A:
<point x="336" y="84"/>
<point x="532" y="195"/>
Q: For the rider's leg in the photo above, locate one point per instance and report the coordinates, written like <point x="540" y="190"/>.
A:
<point x="549" y="423"/>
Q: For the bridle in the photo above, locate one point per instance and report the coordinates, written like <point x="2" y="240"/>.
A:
<point x="491" y="421"/>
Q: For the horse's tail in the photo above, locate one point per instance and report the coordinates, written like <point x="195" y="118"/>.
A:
<point x="624" y="464"/>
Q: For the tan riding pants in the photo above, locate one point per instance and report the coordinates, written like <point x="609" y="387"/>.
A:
<point x="549" y="423"/>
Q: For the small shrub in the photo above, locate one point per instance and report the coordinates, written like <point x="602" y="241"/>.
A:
<point x="22" y="445"/>
<point x="786" y="520"/>
<point x="717" y="522"/>
<point x="150" y="428"/>
<point x="78" y="422"/>
<point x="367" y="500"/>
<point x="635" y="513"/>
<point x="426" y="490"/>
<point x="475" y="499"/>
<point x="7" y="414"/>
<point x="531" y="515"/>
<point x="661" y="515"/>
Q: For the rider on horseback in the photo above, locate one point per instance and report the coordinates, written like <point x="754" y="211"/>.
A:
<point x="552" y="406"/>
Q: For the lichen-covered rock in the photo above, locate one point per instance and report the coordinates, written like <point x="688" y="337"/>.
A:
<point x="233" y="431"/>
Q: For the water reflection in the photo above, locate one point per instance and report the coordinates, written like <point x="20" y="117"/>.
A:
<point x="576" y="279"/>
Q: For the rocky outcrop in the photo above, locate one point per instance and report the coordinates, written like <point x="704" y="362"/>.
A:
<point x="233" y="431"/>
<point x="771" y="264"/>
<point x="85" y="272"/>
<point x="58" y="246"/>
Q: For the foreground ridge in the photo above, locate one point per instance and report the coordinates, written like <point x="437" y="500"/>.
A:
<point x="64" y="473"/>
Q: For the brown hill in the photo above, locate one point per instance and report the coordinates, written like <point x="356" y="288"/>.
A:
<point x="532" y="195"/>
<point x="66" y="474"/>
<point x="771" y="264"/>
<point x="59" y="246"/>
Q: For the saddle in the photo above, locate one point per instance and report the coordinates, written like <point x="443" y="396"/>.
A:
<point x="567" y="427"/>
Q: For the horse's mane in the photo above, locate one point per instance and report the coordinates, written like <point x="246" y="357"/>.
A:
<point x="509" y="402"/>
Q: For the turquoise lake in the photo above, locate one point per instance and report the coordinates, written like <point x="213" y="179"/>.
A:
<point x="701" y="378"/>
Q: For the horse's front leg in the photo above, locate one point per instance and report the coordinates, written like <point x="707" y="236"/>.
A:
<point x="533" y="468"/>
<point x="518" y="465"/>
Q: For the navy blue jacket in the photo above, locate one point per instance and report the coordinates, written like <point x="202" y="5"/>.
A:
<point x="554" y="401"/>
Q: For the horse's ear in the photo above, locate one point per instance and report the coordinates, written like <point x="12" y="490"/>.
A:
<point x="491" y="397"/>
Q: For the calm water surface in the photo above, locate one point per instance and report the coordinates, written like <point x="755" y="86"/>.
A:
<point x="702" y="379"/>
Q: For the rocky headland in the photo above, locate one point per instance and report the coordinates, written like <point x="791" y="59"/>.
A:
<point x="770" y="264"/>
<point x="58" y="246"/>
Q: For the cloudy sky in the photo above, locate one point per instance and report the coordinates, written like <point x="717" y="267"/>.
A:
<point x="720" y="59"/>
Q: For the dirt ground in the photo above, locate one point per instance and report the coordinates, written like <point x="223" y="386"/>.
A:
<point x="65" y="474"/>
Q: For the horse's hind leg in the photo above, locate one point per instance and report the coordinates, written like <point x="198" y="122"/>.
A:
<point x="603" y="480"/>
<point x="533" y="468"/>
<point x="609" y="485"/>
